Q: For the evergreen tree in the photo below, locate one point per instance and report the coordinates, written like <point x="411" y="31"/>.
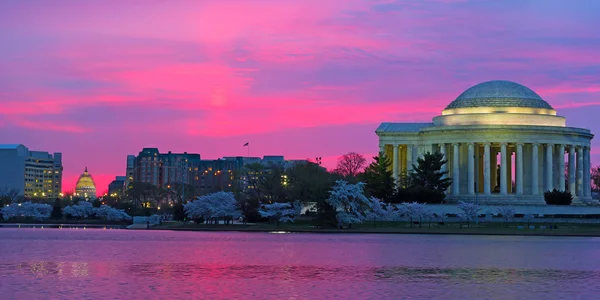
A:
<point x="178" y="212"/>
<point x="379" y="178"/>
<point x="427" y="173"/>
<point x="426" y="182"/>
<point x="56" y="210"/>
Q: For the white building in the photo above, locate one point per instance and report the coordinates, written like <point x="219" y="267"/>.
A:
<point x="504" y="144"/>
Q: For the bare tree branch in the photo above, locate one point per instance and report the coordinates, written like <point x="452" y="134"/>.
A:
<point x="350" y="164"/>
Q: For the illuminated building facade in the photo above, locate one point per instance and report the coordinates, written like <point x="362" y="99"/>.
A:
<point x="117" y="186"/>
<point x="206" y="176"/>
<point x="504" y="145"/>
<point x="85" y="186"/>
<point x="163" y="169"/>
<point x="36" y="174"/>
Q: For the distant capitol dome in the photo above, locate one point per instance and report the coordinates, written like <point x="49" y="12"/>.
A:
<point x="499" y="93"/>
<point x="85" y="185"/>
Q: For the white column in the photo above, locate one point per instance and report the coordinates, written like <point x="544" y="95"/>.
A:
<point x="579" y="171"/>
<point x="471" y="169"/>
<point x="572" y="171"/>
<point x="503" y="169"/>
<point x="587" y="191"/>
<point x="519" y="173"/>
<point x="395" y="162"/>
<point x="443" y="152"/>
<point x="549" y="184"/>
<point x="455" y="171"/>
<point x="589" y="172"/>
<point x="486" y="169"/>
<point x="535" y="170"/>
<point x="409" y="158"/>
<point x="561" y="167"/>
<point x="381" y="148"/>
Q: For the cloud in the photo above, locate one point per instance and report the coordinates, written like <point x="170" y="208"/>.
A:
<point x="304" y="78"/>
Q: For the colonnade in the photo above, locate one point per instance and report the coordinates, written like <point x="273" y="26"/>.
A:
<point x="538" y="167"/>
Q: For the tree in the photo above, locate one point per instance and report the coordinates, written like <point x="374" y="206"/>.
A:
<point x="595" y="178"/>
<point x="428" y="182"/>
<point x="507" y="213"/>
<point x="251" y="192"/>
<point x="273" y="183"/>
<point x="108" y="213"/>
<point x="279" y="212"/>
<point x="309" y="182"/>
<point x="379" y="179"/>
<point x="349" y="201"/>
<point x="350" y="164"/>
<point x="413" y="211"/>
<point x="556" y="197"/>
<point x="97" y="202"/>
<point x="26" y="210"/>
<point x="427" y="173"/>
<point x="56" y="210"/>
<point x="469" y="211"/>
<point x="381" y="211"/>
<point x="111" y="200"/>
<point x="81" y="210"/>
<point x="213" y="206"/>
<point x="178" y="212"/>
<point x="9" y="196"/>
<point x="178" y="192"/>
<point x="528" y="218"/>
<point x="143" y="193"/>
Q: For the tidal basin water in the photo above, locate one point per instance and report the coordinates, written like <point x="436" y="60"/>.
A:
<point x="122" y="264"/>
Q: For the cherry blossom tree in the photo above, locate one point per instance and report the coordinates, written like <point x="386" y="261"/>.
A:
<point x="349" y="201"/>
<point x="81" y="210"/>
<point x="413" y="211"/>
<point x="213" y="206"/>
<point x="528" y="218"/>
<point x="111" y="214"/>
<point x="469" y="211"/>
<point x="378" y="210"/>
<point x="27" y="210"/>
<point x="279" y="212"/>
<point x="507" y="213"/>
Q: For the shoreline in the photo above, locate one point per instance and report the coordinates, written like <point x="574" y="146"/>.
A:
<point x="563" y="231"/>
<point x="61" y="225"/>
<point x="383" y="230"/>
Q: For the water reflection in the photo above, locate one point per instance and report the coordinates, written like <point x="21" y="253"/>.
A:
<point x="120" y="264"/>
<point x="289" y="272"/>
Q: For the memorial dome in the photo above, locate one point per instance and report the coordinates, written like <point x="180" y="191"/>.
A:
<point x="499" y="93"/>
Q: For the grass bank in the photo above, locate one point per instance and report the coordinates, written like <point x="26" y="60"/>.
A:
<point x="564" y="229"/>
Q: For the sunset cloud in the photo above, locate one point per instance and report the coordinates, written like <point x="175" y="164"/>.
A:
<point x="98" y="80"/>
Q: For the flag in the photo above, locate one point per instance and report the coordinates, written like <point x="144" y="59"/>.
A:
<point x="246" y="144"/>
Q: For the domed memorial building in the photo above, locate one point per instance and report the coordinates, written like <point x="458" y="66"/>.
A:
<point x="85" y="186"/>
<point x="504" y="145"/>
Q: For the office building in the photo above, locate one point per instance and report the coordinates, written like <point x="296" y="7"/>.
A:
<point x="35" y="174"/>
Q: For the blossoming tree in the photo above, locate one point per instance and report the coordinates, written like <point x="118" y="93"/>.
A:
<point x="27" y="210"/>
<point x="212" y="207"/>
<point x="278" y="212"/>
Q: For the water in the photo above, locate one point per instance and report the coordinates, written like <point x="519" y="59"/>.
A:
<point x="121" y="264"/>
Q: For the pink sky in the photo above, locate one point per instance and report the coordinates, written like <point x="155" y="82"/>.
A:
<point x="97" y="80"/>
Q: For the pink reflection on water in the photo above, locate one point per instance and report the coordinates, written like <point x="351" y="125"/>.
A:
<point x="121" y="264"/>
